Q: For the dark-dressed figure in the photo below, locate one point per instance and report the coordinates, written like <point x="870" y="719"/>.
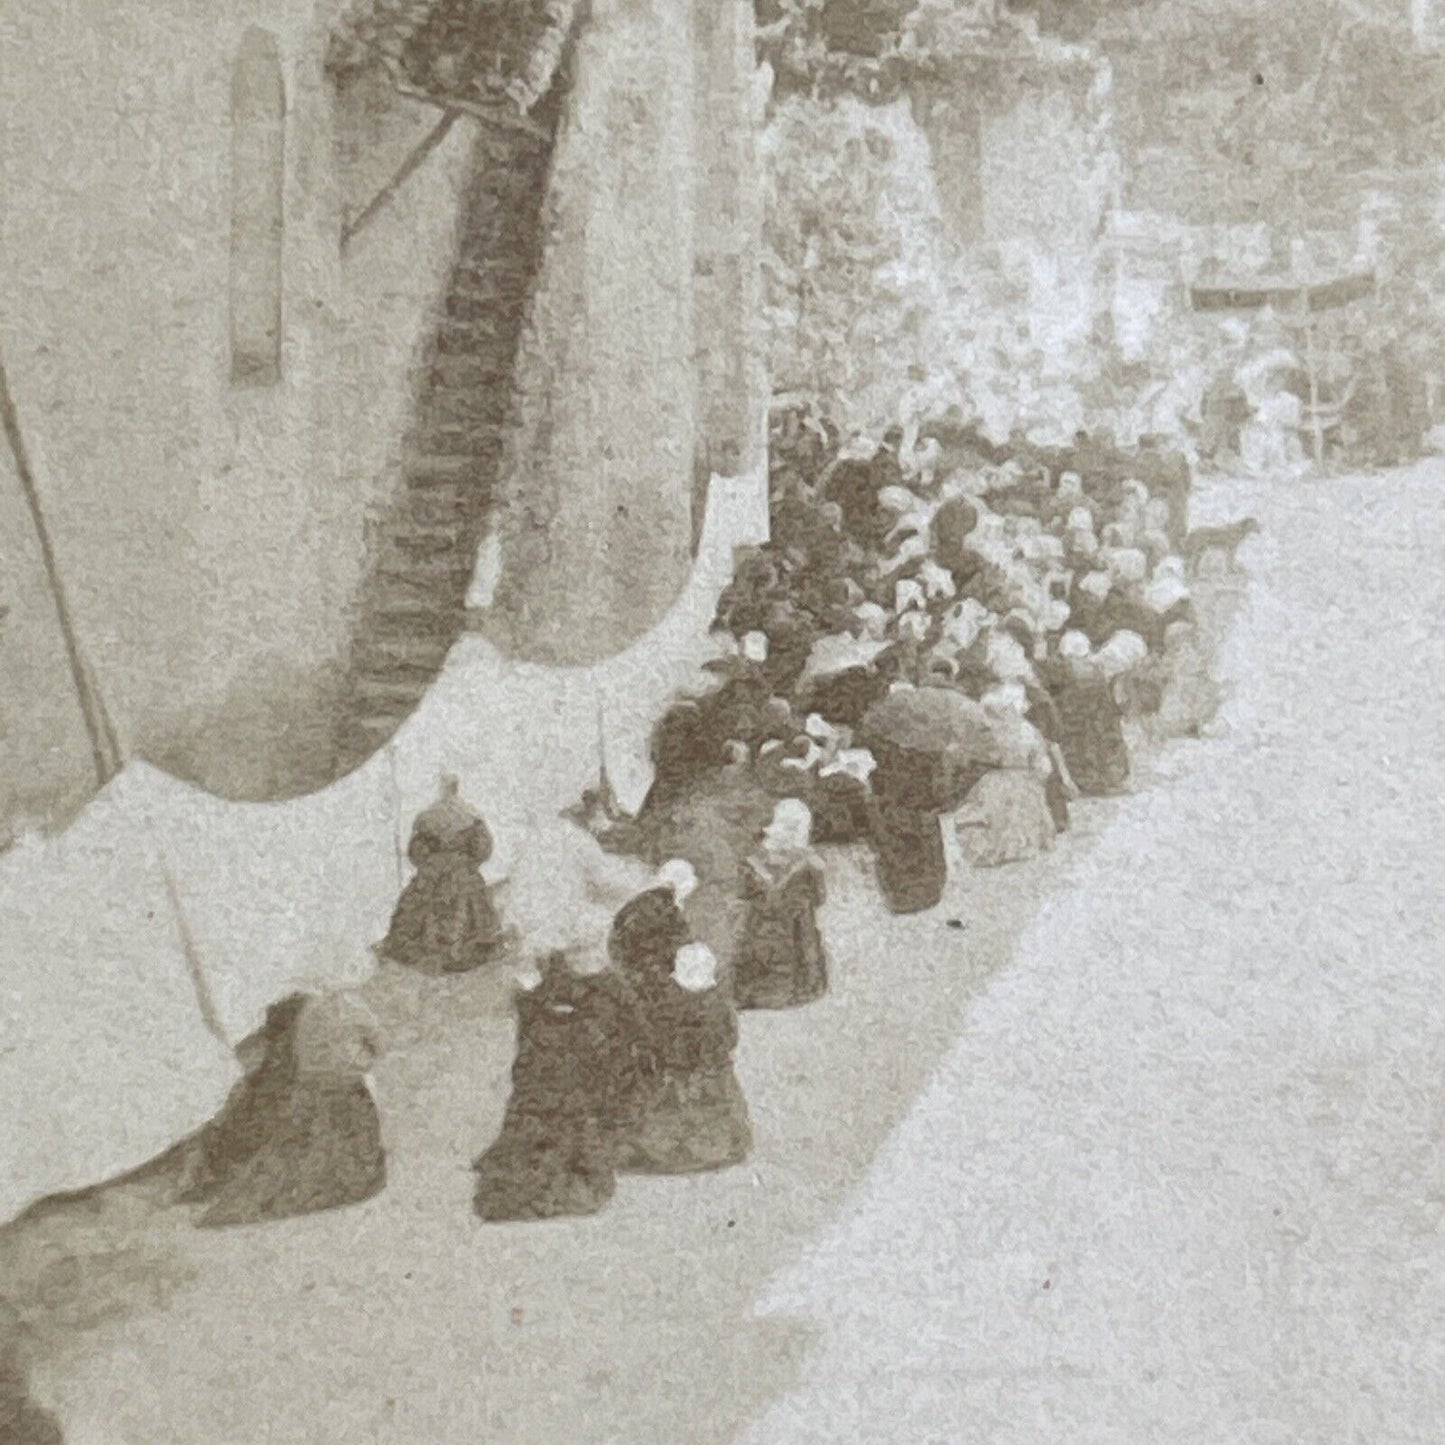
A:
<point x="445" y="921"/>
<point x="689" y="1113"/>
<point x="580" y="1055"/>
<point x="1091" y="735"/>
<point x="301" y="1132"/>
<point x="908" y="832"/>
<point x="781" y="961"/>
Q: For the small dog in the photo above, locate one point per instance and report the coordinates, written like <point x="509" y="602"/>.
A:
<point x="1203" y="540"/>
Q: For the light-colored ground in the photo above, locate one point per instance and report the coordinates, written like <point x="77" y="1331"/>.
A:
<point x="1180" y="1179"/>
<point x="1216" y="999"/>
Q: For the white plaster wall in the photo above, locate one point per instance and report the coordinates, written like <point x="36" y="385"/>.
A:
<point x="211" y="536"/>
<point x="601" y="469"/>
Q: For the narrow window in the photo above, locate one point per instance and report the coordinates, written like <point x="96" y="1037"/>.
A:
<point x="258" y="173"/>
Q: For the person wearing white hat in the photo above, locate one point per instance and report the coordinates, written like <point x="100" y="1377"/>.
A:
<point x="1089" y="720"/>
<point x="688" y="1113"/>
<point x="581" y="1046"/>
<point x="781" y="962"/>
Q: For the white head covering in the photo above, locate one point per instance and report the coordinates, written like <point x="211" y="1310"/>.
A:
<point x="937" y="581"/>
<point x="1123" y="651"/>
<point x="913" y="626"/>
<point x="908" y="594"/>
<point x="1075" y="646"/>
<point x="899" y="500"/>
<point x="680" y="876"/>
<point x="755" y="647"/>
<point x="1007" y="659"/>
<point x="1127" y="564"/>
<point x="1164" y="593"/>
<point x="1055" y="615"/>
<point x="1006" y="697"/>
<point x="791" y="825"/>
<point x="1081" y="519"/>
<point x="695" y="967"/>
<point x="874" y="619"/>
<point x="1096" y="585"/>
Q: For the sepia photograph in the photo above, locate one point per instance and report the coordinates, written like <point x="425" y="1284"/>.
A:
<point x="722" y="722"/>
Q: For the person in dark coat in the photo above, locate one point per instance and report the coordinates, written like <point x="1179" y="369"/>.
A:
<point x="908" y="846"/>
<point x="445" y="921"/>
<point x="301" y="1132"/>
<point x="1091" y="732"/>
<point x="689" y="1114"/>
<point x="578" y="1062"/>
<point x="781" y="962"/>
<point x="649" y="929"/>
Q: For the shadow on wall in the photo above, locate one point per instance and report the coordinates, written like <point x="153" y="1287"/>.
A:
<point x="272" y="737"/>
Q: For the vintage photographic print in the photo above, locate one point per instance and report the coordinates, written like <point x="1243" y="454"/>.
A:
<point x="722" y="722"/>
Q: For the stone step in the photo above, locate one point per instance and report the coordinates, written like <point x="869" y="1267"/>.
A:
<point x="421" y="539"/>
<point x="445" y="441"/>
<point x="401" y="654"/>
<point x="385" y="694"/>
<point x="471" y="372"/>
<point x="504" y="286"/>
<point x="401" y="610"/>
<point x="466" y="472"/>
<point x="478" y="407"/>
<point x="467" y="335"/>
<point x="472" y="303"/>
<point x="444" y="575"/>
<point x="444" y="505"/>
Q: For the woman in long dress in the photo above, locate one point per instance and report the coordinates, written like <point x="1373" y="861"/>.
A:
<point x="579" y="1043"/>
<point x="1090" y="721"/>
<point x="689" y="1115"/>
<point x="445" y="921"/>
<point x="1007" y="816"/>
<point x="301" y="1133"/>
<point x="781" y="962"/>
<point x="908" y="847"/>
<point x="1190" y="697"/>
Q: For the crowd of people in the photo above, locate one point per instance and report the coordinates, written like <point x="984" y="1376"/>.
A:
<point x="940" y="635"/>
<point x="942" y="630"/>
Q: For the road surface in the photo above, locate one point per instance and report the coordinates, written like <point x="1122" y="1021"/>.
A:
<point x="1180" y="1178"/>
<point x="1137" y="1142"/>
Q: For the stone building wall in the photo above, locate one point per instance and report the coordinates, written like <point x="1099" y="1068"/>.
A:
<point x="211" y="531"/>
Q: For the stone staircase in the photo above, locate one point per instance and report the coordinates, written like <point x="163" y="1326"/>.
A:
<point x="412" y="607"/>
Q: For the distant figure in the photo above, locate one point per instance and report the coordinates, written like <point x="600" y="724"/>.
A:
<point x="301" y="1132"/>
<point x="1091" y="735"/>
<point x="578" y="1063"/>
<point x="908" y="843"/>
<point x="690" y="1115"/>
<point x="1190" y="698"/>
<point x="445" y="921"/>
<point x="781" y="961"/>
<point x="1005" y="819"/>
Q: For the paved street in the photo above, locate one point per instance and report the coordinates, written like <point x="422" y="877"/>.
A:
<point x="1135" y="1143"/>
<point x="1180" y="1178"/>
